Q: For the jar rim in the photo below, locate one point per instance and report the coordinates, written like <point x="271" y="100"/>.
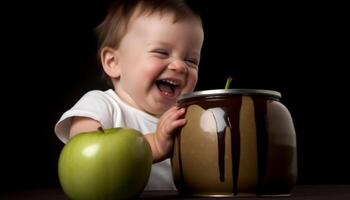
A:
<point x="229" y="92"/>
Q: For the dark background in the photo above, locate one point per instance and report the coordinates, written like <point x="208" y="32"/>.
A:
<point x="297" y="49"/>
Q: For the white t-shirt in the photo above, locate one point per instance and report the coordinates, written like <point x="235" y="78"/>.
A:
<point x="108" y="109"/>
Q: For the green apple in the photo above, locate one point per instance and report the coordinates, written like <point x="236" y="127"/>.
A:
<point x="105" y="164"/>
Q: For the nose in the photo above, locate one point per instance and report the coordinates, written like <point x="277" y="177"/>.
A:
<point x="178" y="66"/>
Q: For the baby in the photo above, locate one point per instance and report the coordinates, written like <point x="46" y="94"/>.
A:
<point x="150" y="52"/>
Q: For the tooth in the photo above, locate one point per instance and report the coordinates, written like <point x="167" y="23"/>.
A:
<point x="171" y="82"/>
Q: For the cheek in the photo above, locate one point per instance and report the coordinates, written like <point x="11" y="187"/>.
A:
<point x="142" y="71"/>
<point x="191" y="82"/>
<point x="152" y="69"/>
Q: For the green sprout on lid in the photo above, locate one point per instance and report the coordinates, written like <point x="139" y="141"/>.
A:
<point x="228" y="83"/>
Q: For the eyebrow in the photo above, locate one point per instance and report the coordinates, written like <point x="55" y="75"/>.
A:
<point x="159" y="43"/>
<point x="167" y="44"/>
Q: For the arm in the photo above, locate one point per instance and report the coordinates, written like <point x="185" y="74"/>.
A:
<point x="162" y="140"/>
<point x="83" y="124"/>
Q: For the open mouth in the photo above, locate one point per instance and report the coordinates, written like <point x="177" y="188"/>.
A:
<point x="167" y="87"/>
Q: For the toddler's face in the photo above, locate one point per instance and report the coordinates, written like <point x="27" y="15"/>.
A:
<point x="159" y="61"/>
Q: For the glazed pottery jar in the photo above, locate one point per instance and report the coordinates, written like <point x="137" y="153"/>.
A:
<point x="238" y="142"/>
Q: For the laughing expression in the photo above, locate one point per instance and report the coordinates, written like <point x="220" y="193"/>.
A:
<point x="158" y="61"/>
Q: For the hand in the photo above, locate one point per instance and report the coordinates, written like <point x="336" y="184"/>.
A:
<point x="163" y="139"/>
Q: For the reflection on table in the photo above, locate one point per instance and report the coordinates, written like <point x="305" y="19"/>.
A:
<point x="300" y="192"/>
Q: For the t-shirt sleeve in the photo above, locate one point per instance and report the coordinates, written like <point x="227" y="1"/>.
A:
<point x="94" y="105"/>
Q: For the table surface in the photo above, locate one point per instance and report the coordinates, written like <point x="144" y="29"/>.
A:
<point x="300" y="192"/>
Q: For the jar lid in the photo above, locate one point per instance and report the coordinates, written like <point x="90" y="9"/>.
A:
<point x="229" y="92"/>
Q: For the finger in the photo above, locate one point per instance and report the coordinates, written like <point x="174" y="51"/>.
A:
<point x="170" y="128"/>
<point x="177" y="114"/>
<point x="169" y="112"/>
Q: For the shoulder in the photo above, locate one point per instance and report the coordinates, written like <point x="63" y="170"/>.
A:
<point x="97" y="97"/>
<point x="95" y="94"/>
<point x="97" y="105"/>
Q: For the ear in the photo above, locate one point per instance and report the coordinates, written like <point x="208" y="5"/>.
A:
<point x="109" y="59"/>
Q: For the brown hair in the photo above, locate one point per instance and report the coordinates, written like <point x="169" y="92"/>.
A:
<point x="113" y="28"/>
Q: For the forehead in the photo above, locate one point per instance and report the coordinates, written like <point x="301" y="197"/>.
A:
<point x="161" y="30"/>
<point x="164" y="25"/>
<point x="176" y="13"/>
<point x="165" y="20"/>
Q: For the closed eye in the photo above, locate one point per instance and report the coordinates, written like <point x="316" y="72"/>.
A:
<point x="192" y="61"/>
<point x="161" y="52"/>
